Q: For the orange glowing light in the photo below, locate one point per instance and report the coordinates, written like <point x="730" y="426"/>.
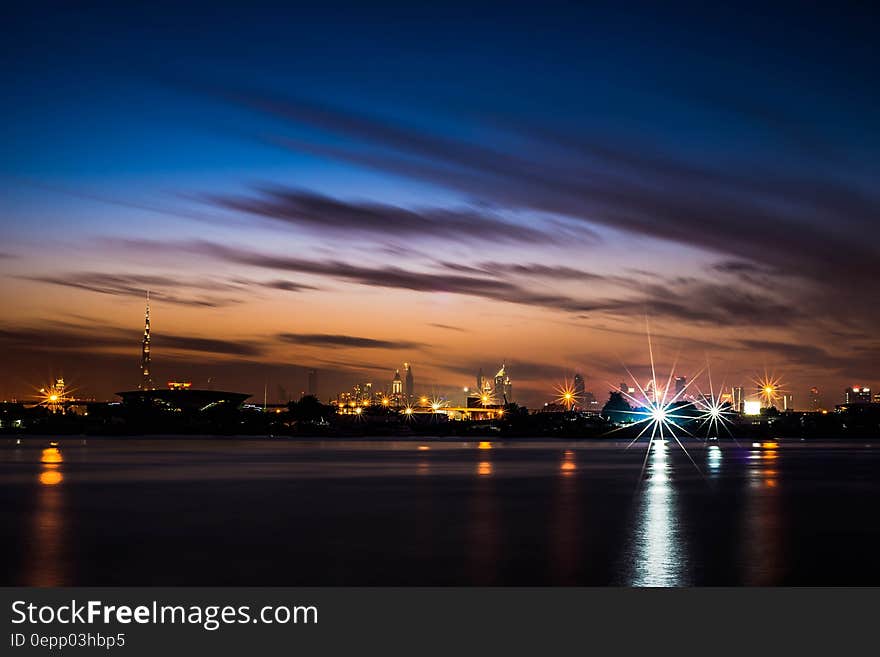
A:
<point x="424" y="448"/>
<point x="769" y="388"/>
<point x="51" y="478"/>
<point x="484" y="444"/>
<point x="567" y="395"/>
<point x="568" y="466"/>
<point x="484" y="469"/>
<point x="51" y="455"/>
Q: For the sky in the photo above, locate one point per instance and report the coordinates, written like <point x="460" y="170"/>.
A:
<point x="351" y="186"/>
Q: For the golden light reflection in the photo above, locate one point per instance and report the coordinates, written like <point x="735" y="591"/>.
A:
<point x="46" y="563"/>
<point x="568" y="466"/>
<point x="484" y="469"/>
<point x="484" y="444"/>
<point x="51" y="455"/>
<point x="763" y="552"/>
<point x="51" y="478"/>
<point x="423" y="448"/>
<point x="769" y="475"/>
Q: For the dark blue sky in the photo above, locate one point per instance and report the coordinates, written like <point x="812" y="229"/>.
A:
<point x="713" y="167"/>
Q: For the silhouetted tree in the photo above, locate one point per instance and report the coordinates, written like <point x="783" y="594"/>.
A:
<point x="617" y="409"/>
<point x="309" y="408"/>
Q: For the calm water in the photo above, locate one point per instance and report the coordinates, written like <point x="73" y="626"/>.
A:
<point x="210" y="512"/>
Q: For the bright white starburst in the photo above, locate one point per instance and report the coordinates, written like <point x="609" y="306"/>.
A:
<point x="662" y="414"/>
<point x="715" y="410"/>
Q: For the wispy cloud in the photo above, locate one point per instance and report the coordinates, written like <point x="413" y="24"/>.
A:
<point x="806" y="220"/>
<point x="687" y="299"/>
<point x="351" y="341"/>
<point x="307" y="209"/>
<point x="62" y="337"/>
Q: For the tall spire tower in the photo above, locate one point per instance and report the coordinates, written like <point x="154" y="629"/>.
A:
<point x="146" y="377"/>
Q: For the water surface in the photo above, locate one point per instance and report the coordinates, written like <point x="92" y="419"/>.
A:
<point x="278" y="512"/>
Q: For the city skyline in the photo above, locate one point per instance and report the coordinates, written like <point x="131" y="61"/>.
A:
<point x="764" y="390"/>
<point x="338" y="208"/>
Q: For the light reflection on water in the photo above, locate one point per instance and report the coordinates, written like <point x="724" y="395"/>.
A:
<point x="475" y="512"/>
<point x="658" y="554"/>
<point x="47" y="558"/>
<point x="564" y="526"/>
<point x="484" y="529"/>
<point x="713" y="457"/>
<point x="763" y="549"/>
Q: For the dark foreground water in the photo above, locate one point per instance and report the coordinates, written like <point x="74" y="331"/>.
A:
<point x="212" y="512"/>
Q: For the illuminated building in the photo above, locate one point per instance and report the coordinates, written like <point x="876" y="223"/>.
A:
<point x="503" y="388"/>
<point x="179" y="385"/>
<point x="591" y="404"/>
<point x="55" y="397"/>
<point x="313" y="383"/>
<point x="787" y="402"/>
<point x="857" y="395"/>
<point x="146" y="376"/>
<point x="751" y="407"/>
<point x="396" y="388"/>
<point x="486" y="393"/>
<point x="815" y="399"/>
<point x="738" y="397"/>
<point x="410" y="385"/>
<point x="181" y="401"/>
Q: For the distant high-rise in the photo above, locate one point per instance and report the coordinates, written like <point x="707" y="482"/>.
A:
<point x="738" y="398"/>
<point x="480" y="380"/>
<point x="787" y="402"/>
<point x="580" y="390"/>
<point x="857" y="395"/>
<point x="313" y="383"/>
<point x="396" y="387"/>
<point x="146" y="376"/>
<point x="410" y="385"/>
<point x="503" y="388"/>
<point x="680" y="385"/>
<point x="815" y="399"/>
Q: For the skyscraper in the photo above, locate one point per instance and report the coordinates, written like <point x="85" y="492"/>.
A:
<point x="146" y="377"/>
<point x="410" y="386"/>
<point x="857" y="395"/>
<point x="680" y="385"/>
<point x="580" y="390"/>
<point x="313" y="383"/>
<point x="738" y="398"/>
<point x="787" y="402"/>
<point x="503" y="389"/>
<point x="815" y="399"/>
<point x="396" y="388"/>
